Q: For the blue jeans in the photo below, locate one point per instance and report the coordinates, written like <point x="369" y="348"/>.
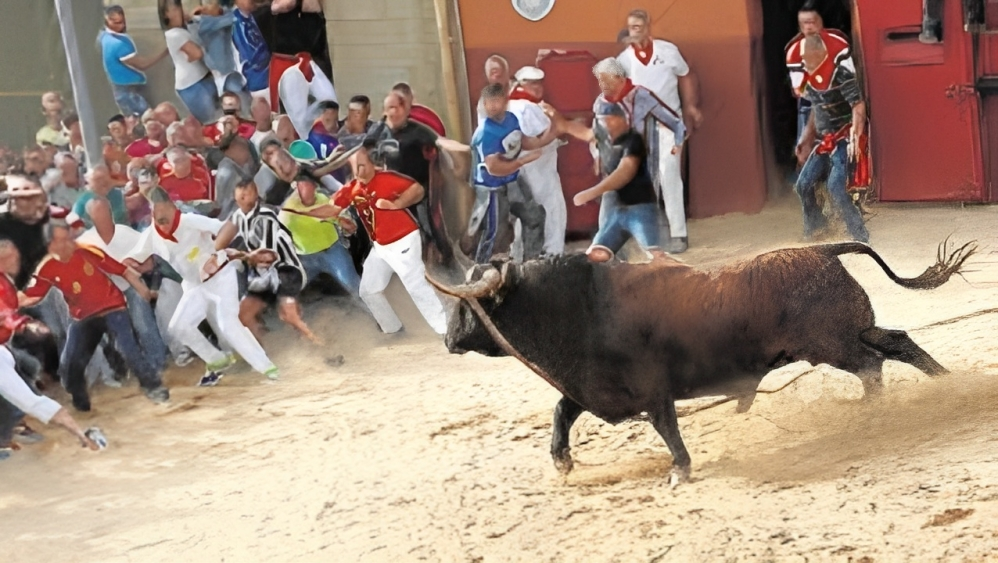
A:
<point x="9" y="419"/>
<point x="81" y="343"/>
<point x="834" y="167"/>
<point x="129" y="99"/>
<point x="618" y="222"/>
<point x="201" y="99"/>
<point x="335" y="261"/>
<point x="146" y="331"/>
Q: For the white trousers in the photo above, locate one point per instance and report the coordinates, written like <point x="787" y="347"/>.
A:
<point x="218" y="301"/>
<point x="405" y="258"/>
<point x="670" y="175"/>
<point x="545" y="183"/>
<point x="294" y="90"/>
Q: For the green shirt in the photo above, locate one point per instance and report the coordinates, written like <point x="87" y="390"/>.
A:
<point x="310" y="234"/>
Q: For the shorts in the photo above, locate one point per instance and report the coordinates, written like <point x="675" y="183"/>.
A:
<point x="624" y="221"/>
<point x="291" y="283"/>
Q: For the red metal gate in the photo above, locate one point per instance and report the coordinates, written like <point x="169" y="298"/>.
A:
<point x="924" y="109"/>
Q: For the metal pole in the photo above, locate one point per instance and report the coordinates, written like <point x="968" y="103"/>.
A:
<point x="81" y="92"/>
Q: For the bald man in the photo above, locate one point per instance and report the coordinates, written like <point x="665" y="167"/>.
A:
<point x="381" y="199"/>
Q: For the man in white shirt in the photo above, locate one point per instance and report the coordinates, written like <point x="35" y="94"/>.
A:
<point x="117" y="241"/>
<point x="659" y="66"/>
<point x="541" y="175"/>
<point x="210" y="286"/>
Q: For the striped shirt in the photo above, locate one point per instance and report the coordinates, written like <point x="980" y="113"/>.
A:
<point x="261" y="228"/>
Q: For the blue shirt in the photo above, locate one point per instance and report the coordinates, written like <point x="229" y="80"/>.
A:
<point x="253" y="52"/>
<point x="491" y="138"/>
<point x="114" y="47"/>
<point x="118" y="210"/>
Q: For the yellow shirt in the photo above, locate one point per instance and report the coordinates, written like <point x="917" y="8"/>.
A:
<point x="51" y="136"/>
<point x="310" y="234"/>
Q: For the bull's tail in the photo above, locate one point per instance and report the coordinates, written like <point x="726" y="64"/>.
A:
<point x="933" y="276"/>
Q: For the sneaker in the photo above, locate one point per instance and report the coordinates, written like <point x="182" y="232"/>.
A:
<point x="25" y="435"/>
<point x="184" y="358"/>
<point x="158" y="395"/>
<point x="222" y="365"/>
<point x="272" y="373"/>
<point x="210" y="379"/>
<point x="4" y="452"/>
<point x="678" y="245"/>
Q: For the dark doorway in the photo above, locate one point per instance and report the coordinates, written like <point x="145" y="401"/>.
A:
<point x="779" y="27"/>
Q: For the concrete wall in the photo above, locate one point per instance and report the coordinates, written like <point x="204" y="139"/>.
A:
<point x="373" y="44"/>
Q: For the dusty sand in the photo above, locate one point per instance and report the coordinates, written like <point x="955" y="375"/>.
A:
<point x="406" y="453"/>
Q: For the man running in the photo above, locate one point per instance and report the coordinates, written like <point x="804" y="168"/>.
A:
<point x="211" y="287"/>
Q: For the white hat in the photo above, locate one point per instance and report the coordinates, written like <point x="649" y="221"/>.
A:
<point x="529" y="73"/>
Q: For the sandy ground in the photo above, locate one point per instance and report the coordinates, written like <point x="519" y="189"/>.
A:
<point x="407" y="453"/>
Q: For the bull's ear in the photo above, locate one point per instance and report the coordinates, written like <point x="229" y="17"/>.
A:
<point x="499" y="260"/>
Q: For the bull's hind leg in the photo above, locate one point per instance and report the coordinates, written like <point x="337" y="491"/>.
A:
<point x="897" y="345"/>
<point x="565" y="414"/>
<point x="666" y="423"/>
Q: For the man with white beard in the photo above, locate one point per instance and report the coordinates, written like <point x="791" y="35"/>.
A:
<point x="541" y="175"/>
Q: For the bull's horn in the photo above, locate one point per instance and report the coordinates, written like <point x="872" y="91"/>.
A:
<point x="491" y="281"/>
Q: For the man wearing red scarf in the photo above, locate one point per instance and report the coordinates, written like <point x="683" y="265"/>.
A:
<point x="210" y="285"/>
<point x="541" y="176"/>
<point x="838" y="124"/>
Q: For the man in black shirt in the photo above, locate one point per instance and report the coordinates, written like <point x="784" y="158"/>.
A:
<point x="295" y="33"/>
<point x="628" y="206"/>
<point x="409" y="148"/>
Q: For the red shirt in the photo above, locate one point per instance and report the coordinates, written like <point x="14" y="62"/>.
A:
<point x="197" y="185"/>
<point x="142" y="148"/>
<point x="83" y="281"/>
<point x="384" y="225"/>
<point x="10" y="319"/>
<point x="214" y="131"/>
<point x="429" y="118"/>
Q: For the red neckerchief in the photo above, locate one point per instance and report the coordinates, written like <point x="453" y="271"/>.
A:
<point x="644" y="52"/>
<point x="861" y="175"/>
<point x="519" y="93"/>
<point x="628" y="86"/>
<point x="173" y="227"/>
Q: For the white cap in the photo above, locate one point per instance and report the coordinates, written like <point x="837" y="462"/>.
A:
<point x="529" y="73"/>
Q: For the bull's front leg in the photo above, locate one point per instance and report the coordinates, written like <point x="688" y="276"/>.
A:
<point x="666" y="423"/>
<point x="565" y="414"/>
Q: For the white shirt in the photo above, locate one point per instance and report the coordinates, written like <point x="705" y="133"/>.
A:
<point x="661" y="74"/>
<point x="188" y="73"/>
<point x="195" y="244"/>
<point x="534" y="123"/>
<point x="17" y="392"/>
<point x="124" y="241"/>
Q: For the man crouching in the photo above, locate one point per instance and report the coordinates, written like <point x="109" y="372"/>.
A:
<point x="628" y="194"/>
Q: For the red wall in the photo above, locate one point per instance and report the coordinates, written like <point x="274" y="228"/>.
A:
<point x="726" y="157"/>
<point x="924" y="113"/>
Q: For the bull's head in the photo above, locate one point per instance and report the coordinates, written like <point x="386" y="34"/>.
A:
<point x="485" y="287"/>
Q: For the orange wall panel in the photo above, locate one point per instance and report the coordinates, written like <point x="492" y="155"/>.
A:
<point x="719" y="39"/>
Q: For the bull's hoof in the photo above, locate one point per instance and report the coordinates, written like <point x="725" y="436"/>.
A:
<point x="679" y="475"/>
<point x="563" y="463"/>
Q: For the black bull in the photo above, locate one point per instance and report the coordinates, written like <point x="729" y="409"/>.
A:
<point x="625" y="339"/>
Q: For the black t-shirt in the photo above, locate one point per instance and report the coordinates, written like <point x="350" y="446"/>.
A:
<point x="296" y="32"/>
<point x="30" y="242"/>
<point x="415" y="141"/>
<point x="640" y="189"/>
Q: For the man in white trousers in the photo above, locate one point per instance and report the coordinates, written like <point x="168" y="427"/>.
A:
<point x="381" y="198"/>
<point x="210" y="285"/>
<point x="541" y="175"/>
<point x="659" y="66"/>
